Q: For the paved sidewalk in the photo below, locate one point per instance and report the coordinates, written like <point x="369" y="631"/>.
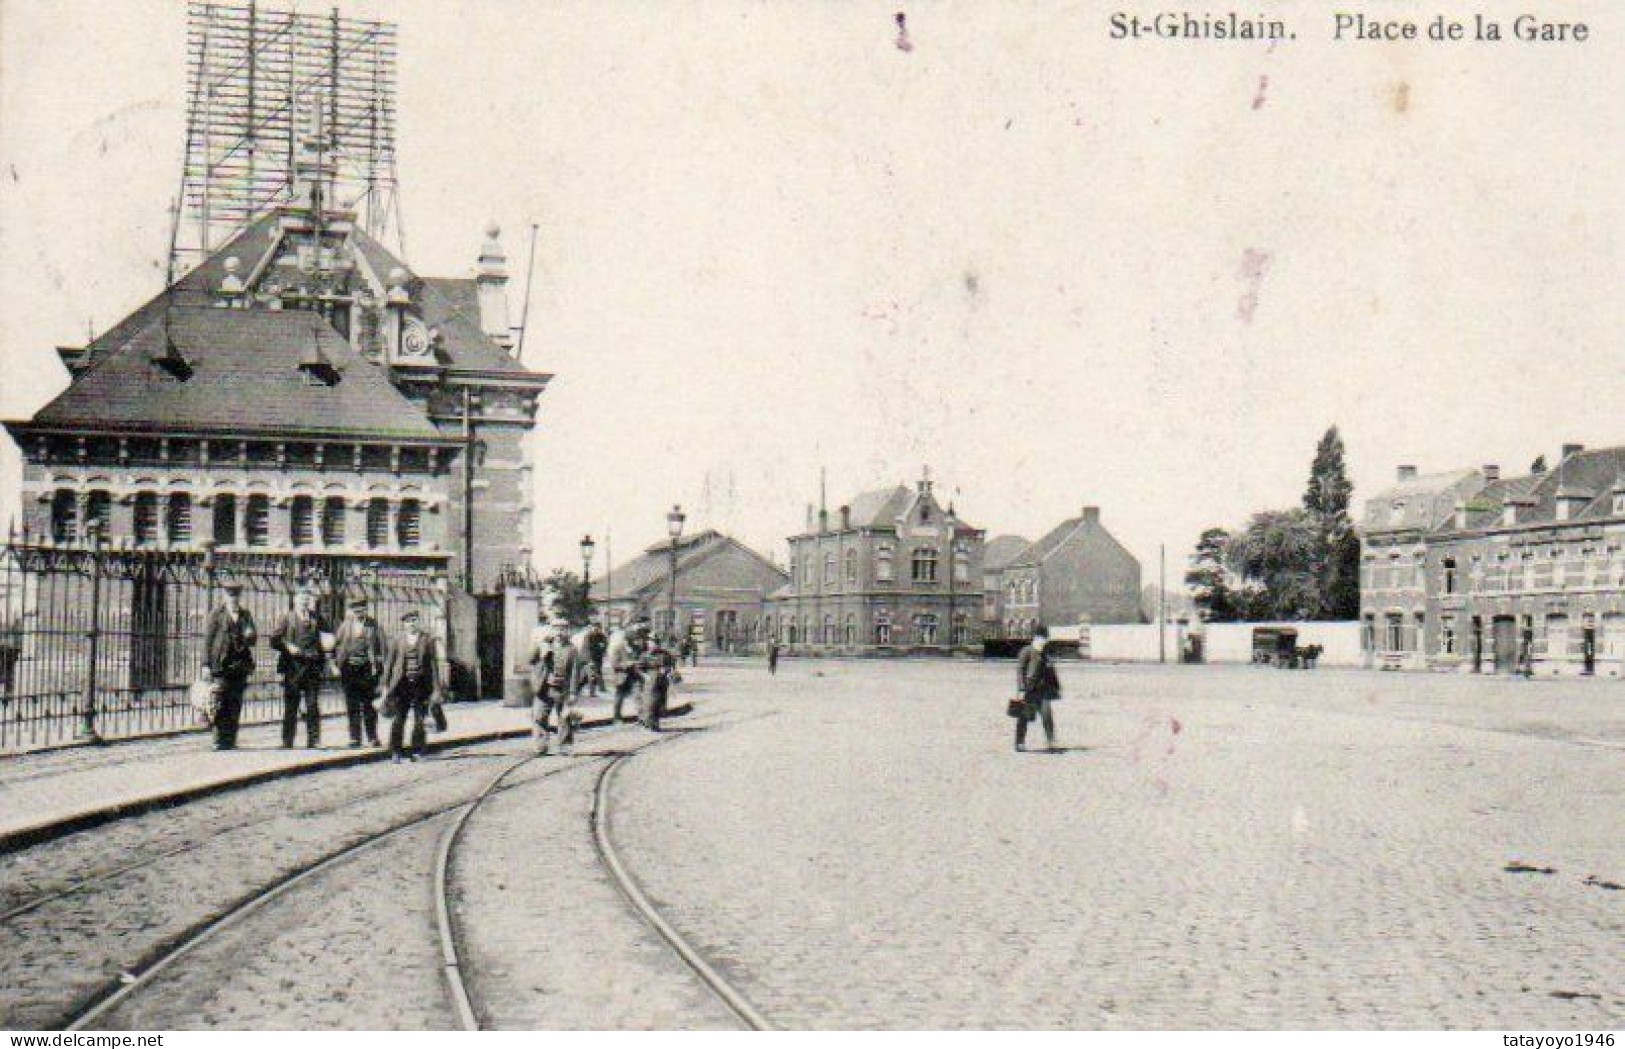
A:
<point x="45" y="794"/>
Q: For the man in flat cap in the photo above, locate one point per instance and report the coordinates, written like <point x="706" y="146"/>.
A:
<point x="358" y="649"/>
<point x="411" y="683"/>
<point x="228" y="660"/>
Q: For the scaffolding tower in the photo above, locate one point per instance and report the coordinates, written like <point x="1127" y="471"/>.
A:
<point x="260" y="81"/>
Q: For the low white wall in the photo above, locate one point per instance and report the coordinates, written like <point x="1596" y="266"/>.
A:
<point x="1222" y="642"/>
<point x="1233" y="642"/>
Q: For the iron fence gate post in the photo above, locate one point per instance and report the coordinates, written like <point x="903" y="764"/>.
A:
<point x="87" y="702"/>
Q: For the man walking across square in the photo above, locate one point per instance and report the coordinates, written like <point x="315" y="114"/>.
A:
<point x="297" y="641"/>
<point x="411" y="683"/>
<point x="228" y="659"/>
<point x="1039" y="686"/>
<point x="358" y="649"/>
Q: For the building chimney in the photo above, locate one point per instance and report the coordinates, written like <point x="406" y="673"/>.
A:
<point x="846" y="518"/>
<point x="1572" y="449"/>
<point x="1492" y="472"/>
<point x="1407" y="473"/>
<point x="809" y="517"/>
<point x="1091" y="514"/>
<point x="1461" y="515"/>
<point x="492" y="282"/>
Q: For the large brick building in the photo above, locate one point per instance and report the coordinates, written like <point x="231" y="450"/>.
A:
<point x="1076" y="573"/>
<point x="722" y="590"/>
<point x="891" y="571"/>
<point x="1480" y="573"/>
<point x="302" y="393"/>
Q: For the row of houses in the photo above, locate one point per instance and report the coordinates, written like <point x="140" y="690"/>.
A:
<point x="891" y="570"/>
<point x="1474" y="571"/>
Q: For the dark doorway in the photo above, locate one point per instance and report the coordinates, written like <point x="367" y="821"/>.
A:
<point x="489" y="642"/>
<point x="1506" y="644"/>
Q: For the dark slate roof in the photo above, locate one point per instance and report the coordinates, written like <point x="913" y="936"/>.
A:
<point x="450" y="305"/>
<point x="653" y="566"/>
<point x="197" y="288"/>
<point x="1593" y="473"/>
<point x="880" y="508"/>
<point x="1036" y="552"/>
<point x="245" y="378"/>
<point x="999" y="551"/>
<point x="1422" y="502"/>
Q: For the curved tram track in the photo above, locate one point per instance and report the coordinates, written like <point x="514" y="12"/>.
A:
<point x="142" y="979"/>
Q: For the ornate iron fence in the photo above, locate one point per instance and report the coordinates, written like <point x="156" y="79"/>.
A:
<point x="98" y="643"/>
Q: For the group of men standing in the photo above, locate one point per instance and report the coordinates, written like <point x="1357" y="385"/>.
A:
<point x="564" y="665"/>
<point x="405" y="671"/>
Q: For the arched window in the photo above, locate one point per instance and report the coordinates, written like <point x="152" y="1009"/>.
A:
<point x="882" y="627"/>
<point x="851" y="558"/>
<point x="98" y="514"/>
<point x="961" y="564"/>
<point x="64" y="516"/>
<point x="961" y="629"/>
<point x="302" y="520"/>
<point x="829" y="568"/>
<point x="925" y="564"/>
<point x="257" y="521"/>
<point x="178" y="519"/>
<point x="409" y="524"/>
<point x="851" y="636"/>
<point x="829" y="630"/>
<point x="925" y="627"/>
<point x="377" y="524"/>
<point x="225" y="520"/>
<point x="333" y="511"/>
<point x="144" y="518"/>
<point x="883" y="564"/>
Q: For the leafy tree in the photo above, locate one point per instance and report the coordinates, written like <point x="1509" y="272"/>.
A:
<point x="1328" y="492"/>
<point x="569" y="597"/>
<point x="1209" y="581"/>
<point x="1280" y="551"/>
<point x="1539" y="465"/>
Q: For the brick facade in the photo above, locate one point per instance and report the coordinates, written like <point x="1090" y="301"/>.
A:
<point x="1077" y="573"/>
<point x="891" y="572"/>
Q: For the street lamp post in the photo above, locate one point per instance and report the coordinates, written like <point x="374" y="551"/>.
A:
<point x="674" y="528"/>
<point x="587" y="546"/>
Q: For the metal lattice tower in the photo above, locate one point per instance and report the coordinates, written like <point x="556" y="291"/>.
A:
<point x="259" y="81"/>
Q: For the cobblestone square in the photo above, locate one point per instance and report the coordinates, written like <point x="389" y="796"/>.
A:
<point x="1209" y="848"/>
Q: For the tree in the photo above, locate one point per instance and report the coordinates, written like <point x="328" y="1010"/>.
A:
<point x="1336" y="564"/>
<point x="1539" y="465"/>
<point x="1208" y="580"/>
<point x="1280" y="550"/>
<point x="569" y="596"/>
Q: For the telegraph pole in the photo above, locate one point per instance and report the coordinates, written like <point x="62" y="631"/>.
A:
<point x="1162" y="603"/>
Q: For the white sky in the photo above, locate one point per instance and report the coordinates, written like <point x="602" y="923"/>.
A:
<point x="772" y="241"/>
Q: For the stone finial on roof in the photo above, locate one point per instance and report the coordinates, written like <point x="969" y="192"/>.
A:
<point x="397" y="295"/>
<point x="231" y="285"/>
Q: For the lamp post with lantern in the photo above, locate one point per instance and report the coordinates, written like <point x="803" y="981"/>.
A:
<point x="587" y="547"/>
<point x="674" y="528"/>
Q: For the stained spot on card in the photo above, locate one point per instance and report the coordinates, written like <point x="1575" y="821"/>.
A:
<point x="1263" y="87"/>
<point x="1254" y="264"/>
<point x="1402" y="96"/>
<point x="903" y="42"/>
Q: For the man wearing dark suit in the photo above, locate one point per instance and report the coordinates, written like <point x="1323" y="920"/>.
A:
<point x="411" y="683"/>
<point x="1039" y="685"/>
<point x="228" y="659"/>
<point x="297" y="641"/>
<point x="358" y="649"/>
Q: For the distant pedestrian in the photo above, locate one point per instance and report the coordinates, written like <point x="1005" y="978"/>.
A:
<point x="597" y="645"/>
<point x="772" y="656"/>
<point x="557" y="670"/>
<point x="689" y="651"/>
<point x="228" y="659"/>
<point x="358" y="649"/>
<point x="299" y="643"/>
<point x="1039" y="686"/>
<point x="660" y="665"/>
<point x="411" y="684"/>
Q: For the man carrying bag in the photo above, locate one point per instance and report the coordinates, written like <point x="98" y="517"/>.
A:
<point x="1039" y="686"/>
